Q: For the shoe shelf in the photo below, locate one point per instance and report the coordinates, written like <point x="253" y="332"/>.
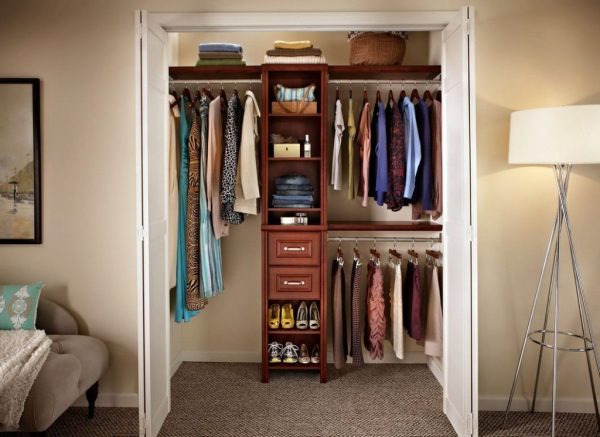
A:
<point x="294" y="366"/>
<point x="294" y="331"/>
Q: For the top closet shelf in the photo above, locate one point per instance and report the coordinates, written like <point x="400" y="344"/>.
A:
<point x="383" y="72"/>
<point x="216" y="73"/>
<point x="383" y="226"/>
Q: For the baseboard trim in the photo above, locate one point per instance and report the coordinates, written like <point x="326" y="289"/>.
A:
<point x="120" y="400"/>
<point x="564" y="405"/>
<point x="176" y="363"/>
<point x="435" y="367"/>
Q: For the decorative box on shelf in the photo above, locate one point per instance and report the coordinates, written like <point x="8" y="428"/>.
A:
<point x="286" y="150"/>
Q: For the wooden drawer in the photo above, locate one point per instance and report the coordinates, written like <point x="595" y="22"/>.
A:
<point x="295" y="248"/>
<point x="294" y="283"/>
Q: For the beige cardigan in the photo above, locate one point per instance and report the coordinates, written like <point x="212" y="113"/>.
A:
<point x="247" y="189"/>
<point x="213" y="171"/>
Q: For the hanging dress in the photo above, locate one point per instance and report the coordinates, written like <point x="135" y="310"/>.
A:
<point x="194" y="294"/>
<point x="182" y="314"/>
<point x="210" y="259"/>
<point x="340" y="339"/>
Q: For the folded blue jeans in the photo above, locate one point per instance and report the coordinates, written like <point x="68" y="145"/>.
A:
<point x="294" y="205"/>
<point x="292" y="180"/>
<point x="293" y="199"/>
<point x="305" y="187"/>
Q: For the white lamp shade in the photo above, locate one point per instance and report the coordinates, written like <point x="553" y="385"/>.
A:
<point x="559" y="135"/>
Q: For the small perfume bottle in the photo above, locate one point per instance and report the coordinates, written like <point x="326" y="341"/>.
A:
<point x="307" y="146"/>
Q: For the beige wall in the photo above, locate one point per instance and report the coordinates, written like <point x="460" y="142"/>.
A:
<point x="529" y="54"/>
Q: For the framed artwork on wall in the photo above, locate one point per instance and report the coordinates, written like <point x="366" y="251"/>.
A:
<point x="20" y="169"/>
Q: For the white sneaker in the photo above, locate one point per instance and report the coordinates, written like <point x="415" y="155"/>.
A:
<point x="275" y="352"/>
<point x="289" y="354"/>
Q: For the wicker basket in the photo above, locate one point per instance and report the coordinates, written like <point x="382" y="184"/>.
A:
<point x="377" y="48"/>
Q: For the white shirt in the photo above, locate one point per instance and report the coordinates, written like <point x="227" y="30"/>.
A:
<point x="336" y="159"/>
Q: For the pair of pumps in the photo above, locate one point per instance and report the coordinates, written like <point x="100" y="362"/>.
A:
<point x="284" y="317"/>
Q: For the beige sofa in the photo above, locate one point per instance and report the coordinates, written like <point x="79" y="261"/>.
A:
<point x="74" y="366"/>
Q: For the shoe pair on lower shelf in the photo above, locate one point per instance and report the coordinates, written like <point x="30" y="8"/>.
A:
<point x="289" y="354"/>
<point x="305" y="318"/>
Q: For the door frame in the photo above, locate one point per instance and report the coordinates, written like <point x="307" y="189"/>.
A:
<point x="319" y="21"/>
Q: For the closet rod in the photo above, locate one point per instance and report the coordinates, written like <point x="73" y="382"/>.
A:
<point x="384" y="82"/>
<point x="214" y="81"/>
<point x="388" y="239"/>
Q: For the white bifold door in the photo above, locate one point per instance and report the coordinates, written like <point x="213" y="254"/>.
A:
<point x="152" y="159"/>
<point x="460" y="255"/>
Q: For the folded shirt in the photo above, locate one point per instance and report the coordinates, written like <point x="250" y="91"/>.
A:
<point x="292" y="192"/>
<point x="219" y="47"/>
<point x="293" y="199"/>
<point x="295" y="205"/>
<point x="306" y="188"/>
<point x="210" y="62"/>
<point x="219" y="55"/>
<point x="294" y="60"/>
<point x="292" y="44"/>
<point x="292" y="180"/>
<point x="294" y="52"/>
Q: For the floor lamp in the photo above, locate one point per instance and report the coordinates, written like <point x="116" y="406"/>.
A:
<point x="561" y="137"/>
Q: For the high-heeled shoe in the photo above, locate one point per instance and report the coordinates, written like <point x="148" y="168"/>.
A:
<point x="315" y="318"/>
<point x="302" y="316"/>
<point x="287" y="316"/>
<point x="274" y="315"/>
<point x="315" y="356"/>
<point x="304" y="357"/>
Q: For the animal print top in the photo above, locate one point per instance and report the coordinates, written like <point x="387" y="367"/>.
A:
<point x="233" y="133"/>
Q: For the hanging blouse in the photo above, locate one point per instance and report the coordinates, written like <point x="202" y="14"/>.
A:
<point x="351" y="136"/>
<point x="194" y="294"/>
<point x="213" y="166"/>
<point x="424" y="182"/>
<point x="233" y="129"/>
<point x="381" y="180"/>
<point x="375" y="326"/>
<point x="436" y="158"/>
<point x="173" y="192"/>
<point x="412" y="146"/>
<point x="182" y="314"/>
<point x="336" y="159"/>
<point x="247" y="190"/>
<point x="394" y="198"/>
<point x="364" y="140"/>
<point x="210" y="248"/>
<point x="373" y="154"/>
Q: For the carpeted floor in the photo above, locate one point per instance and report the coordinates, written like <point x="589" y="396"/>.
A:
<point x="225" y="399"/>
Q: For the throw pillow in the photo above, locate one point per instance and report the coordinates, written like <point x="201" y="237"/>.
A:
<point x="18" y="306"/>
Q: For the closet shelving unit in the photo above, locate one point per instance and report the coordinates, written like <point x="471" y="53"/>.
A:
<point x="294" y="258"/>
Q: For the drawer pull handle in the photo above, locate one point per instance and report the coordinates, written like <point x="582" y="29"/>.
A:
<point x="293" y="249"/>
<point x="293" y="282"/>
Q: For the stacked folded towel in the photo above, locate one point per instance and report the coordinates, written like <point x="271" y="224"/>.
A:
<point x="219" y="53"/>
<point x="294" y="52"/>
<point x="293" y="191"/>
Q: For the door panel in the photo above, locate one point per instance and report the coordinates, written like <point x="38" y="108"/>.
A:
<point x="458" y="372"/>
<point x="154" y="212"/>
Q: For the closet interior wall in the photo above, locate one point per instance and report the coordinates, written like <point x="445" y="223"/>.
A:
<point x="228" y="329"/>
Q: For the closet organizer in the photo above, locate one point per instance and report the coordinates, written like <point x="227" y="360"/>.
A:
<point x="295" y="264"/>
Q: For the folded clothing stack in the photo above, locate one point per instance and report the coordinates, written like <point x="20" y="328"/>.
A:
<point x="294" y="52"/>
<point x="293" y="191"/>
<point x="219" y="53"/>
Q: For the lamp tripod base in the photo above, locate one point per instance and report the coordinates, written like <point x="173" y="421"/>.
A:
<point x="562" y="224"/>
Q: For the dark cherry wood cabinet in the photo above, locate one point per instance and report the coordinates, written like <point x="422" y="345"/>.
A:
<point x="294" y="256"/>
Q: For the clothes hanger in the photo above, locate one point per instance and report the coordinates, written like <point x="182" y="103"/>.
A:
<point x="427" y="94"/>
<point x="365" y="95"/>
<point x="206" y="91"/>
<point x="378" y="95"/>
<point x="222" y="93"/>
<point x="414" y="94"/>
<point x="355" y="250"/>
<point x="350" y="91"/>
<point x="394" y="253"/>
<point x="391" y="96"/>
<point x="235" y="91"/>
<point x="374" y="254"/>
<point x="438" y="96"/>
<point x="402" y="93"/>
<point x="337" y="92"/>
<point x="340" y="254"/>
<point x="174" y="94"/>
<point x="186" y="93"/>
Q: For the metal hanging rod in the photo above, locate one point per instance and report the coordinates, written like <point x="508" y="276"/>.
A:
<point x="384" y="82"/>
<point x="216" y="82"/>
<point x="387" y="239"/>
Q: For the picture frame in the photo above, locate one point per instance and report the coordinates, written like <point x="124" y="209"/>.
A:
<point x="20" y="161"/>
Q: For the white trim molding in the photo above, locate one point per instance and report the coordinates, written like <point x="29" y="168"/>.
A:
<point x="302" y="21"/>
<point x="564" y="405"/>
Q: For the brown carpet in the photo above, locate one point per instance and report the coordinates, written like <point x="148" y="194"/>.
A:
<point x="218" y="399"/>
